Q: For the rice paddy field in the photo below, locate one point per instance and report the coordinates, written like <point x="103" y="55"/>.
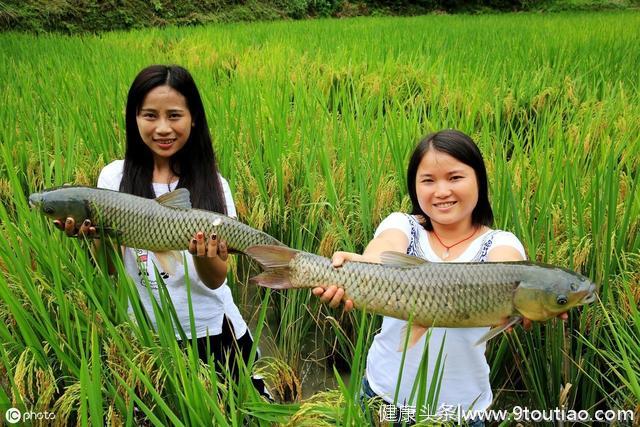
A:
<point x="313" y="123"/>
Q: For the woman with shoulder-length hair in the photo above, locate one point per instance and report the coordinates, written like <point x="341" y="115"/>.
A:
<point x="450" y="221"/>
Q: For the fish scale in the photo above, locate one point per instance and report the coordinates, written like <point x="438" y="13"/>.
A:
<point x="441" y="293"/>
<point x="149" y="223"/>
<point x="435" y="294"/>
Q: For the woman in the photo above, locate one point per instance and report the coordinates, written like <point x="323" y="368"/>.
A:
<point x="450" y="221"/>
<point x="169" y="147"/>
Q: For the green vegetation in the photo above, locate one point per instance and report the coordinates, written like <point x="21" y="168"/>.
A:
<point x="313" y="122"/>
<point x="71" y="16"/>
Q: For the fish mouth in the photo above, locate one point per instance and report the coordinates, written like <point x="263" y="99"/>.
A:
<point x="589" y="295"/>
<point x="35" y="200"/>
<point x="589" y="298"/>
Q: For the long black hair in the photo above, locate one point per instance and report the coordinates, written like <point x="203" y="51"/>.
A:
<point x="462" y="148"/>
<point x="195" y="164"/>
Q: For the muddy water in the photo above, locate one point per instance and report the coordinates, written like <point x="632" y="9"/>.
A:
<point x="315" y="369"/>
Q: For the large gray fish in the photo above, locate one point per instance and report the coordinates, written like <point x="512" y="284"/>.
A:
<point x="161" y="225"/>
<point x="435" y="294"/>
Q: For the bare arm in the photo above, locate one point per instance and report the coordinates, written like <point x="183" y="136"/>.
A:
<point x="210" y="259"/>
<point x="504" y="253"/>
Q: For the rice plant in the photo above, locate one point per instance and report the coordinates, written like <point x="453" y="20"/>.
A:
<point x="313" y="123"/>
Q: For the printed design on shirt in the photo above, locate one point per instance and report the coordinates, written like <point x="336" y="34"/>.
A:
<point x="145" y="269"/>
<point x="481" y="256"/>
<point x="414" y="248"/>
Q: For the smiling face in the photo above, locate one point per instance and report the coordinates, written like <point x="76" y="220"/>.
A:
<point x="446" y="189"/>
<point x="164" y="122"/>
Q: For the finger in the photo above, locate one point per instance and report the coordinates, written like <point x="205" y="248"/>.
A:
<point x="510" y="328"/>
<point x="213" y="247"/>
<point x="328" y="294"/>
<point x="58" y="224"/>
<point x="337" y="298"/>
<point x="223" y="251"/>
<point x="70" y="227"/>
<point x="564" y="316"/>
<point x="317" y="291"/>
<point x="193" y="246"/>
<point x="201" y="248"/>
<point x="348" y="306"/>
<point x="84" y="228"/>
<point x="527" y="323"/>
<point x="339" y="258"/>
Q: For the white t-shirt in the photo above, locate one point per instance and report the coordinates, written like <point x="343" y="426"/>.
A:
<point x="209" y="305"/>
<point x="465" y="378"/>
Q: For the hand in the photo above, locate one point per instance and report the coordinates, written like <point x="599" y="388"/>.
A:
<point x="70" y="228"/>
<point x="334" y="295"/>
<point x="209" y="258"/>
<point x="209" y="248"/>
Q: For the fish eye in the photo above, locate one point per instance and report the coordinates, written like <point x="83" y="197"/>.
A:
<point x="562" y="300"/>
<point x="573" y="287"/>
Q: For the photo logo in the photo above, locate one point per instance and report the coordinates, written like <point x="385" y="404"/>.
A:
<point x="13" y="415"/>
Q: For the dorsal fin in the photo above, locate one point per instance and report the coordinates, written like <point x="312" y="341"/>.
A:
<point x="177" y="199"/>
<point x="398" y="259"/>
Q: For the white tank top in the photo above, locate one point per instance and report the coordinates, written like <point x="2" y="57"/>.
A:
<point x="465" y="372"/>
<point x="209" y="305"/>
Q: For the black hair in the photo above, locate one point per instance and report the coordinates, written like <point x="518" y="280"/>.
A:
<point x="464" y="149"/>
<point x="195" y="164"/>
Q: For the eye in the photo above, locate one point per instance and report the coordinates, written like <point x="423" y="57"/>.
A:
<point x="562" y="300"/>
<point x="574" y="287"/>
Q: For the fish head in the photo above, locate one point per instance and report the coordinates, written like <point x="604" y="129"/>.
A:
<point x="61" y="203"/>
<point x="547" y="291"/>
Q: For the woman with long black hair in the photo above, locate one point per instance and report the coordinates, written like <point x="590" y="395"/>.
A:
<point x="169" y="146"/>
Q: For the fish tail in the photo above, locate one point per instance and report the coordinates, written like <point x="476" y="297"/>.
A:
<point x="275" y="261"/>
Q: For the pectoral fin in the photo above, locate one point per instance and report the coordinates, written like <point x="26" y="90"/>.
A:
<point x="496" y="330"/>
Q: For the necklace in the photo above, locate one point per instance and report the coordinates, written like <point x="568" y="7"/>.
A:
<point x="445" y="255"/>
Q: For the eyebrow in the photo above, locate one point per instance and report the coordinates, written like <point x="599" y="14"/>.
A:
<point x="453" y="172"/>
<point x="171" y="110"/>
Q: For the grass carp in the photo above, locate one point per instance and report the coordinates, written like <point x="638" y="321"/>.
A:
<point x="436" y="294"/>
<point x="164" y="224"/>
